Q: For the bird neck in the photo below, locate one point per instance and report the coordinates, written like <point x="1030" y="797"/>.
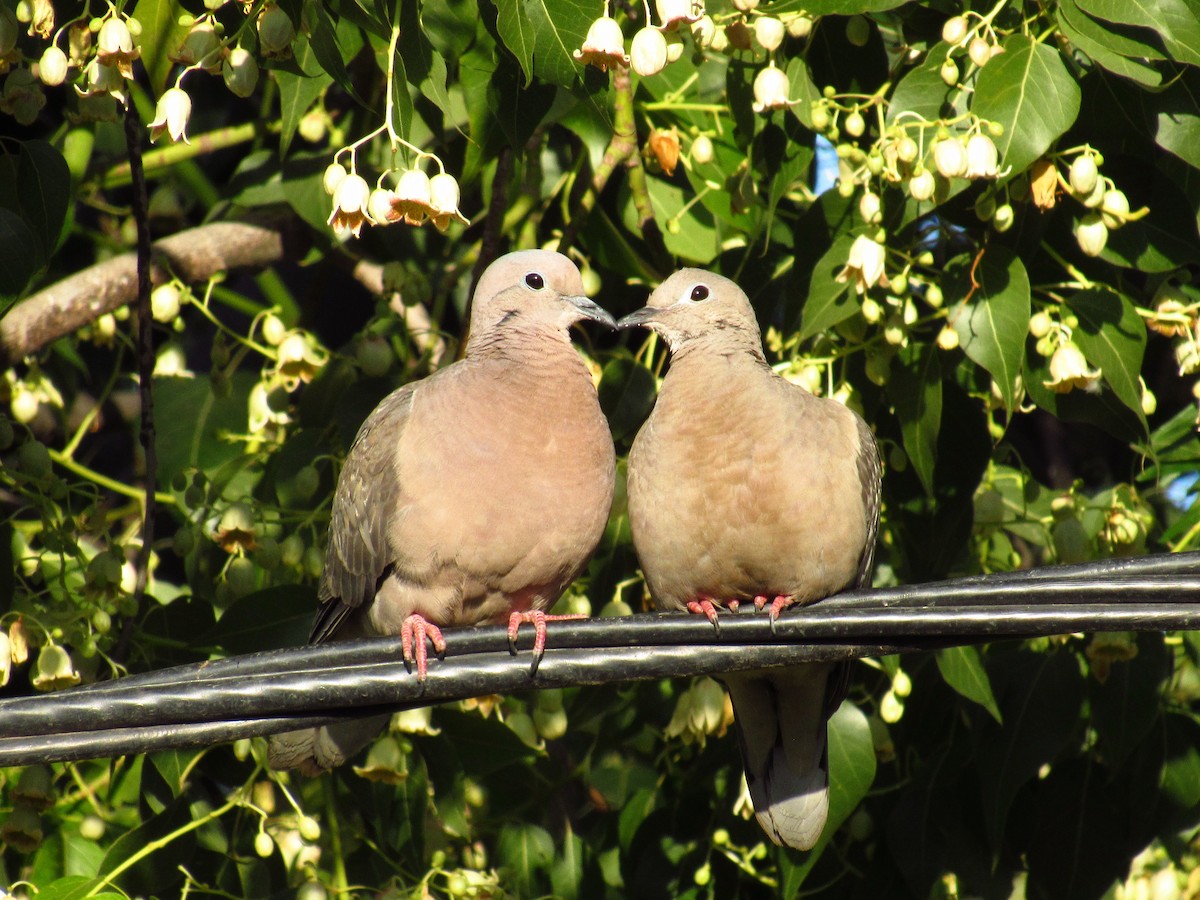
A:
<point x="530" y="349"/>
<point x="720" y="350"/>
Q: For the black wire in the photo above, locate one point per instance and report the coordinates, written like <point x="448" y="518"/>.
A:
<point x="196" y="705"/>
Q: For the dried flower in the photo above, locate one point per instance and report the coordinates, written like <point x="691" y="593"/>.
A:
<point x="350" y="205"/>
<point x="663" y="143"/>
<point x="604" y="46"/>
<point x="171" y="115"/>
<point x="1069" y="370"/>
<point x="864" y="265"/>
<point x="22" y="97"/>
<point x="1043" y="184"/>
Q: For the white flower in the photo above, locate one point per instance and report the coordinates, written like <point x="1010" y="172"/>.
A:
<point x="171" y="115"/>
<point x="864" y="265"/>
<point x="1069" y="370"/>
<point x="102" y="79"/>
<point x="604" y="46"/>
<point x="350" y="205"/>
<point x="982" y="159"/>
<point x="673" y="13"/>
<point x="771" y="90"/>
<point x="648" y="52"/>
<point x="114" y="47"/>
<point x="414" y="198"/>
<point x="443" y="197"/>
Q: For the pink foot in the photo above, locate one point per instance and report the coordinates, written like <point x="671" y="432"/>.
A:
<point x="539" y="620"/>
<point x="760" y="600"/>
<point x="778" y="605"/>
<point x="703" y="606"/>
<point x="413" y="633"/>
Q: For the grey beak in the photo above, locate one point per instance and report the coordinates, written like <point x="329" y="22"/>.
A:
<point x="591" y="311"/>
<point x="642" y="316"/>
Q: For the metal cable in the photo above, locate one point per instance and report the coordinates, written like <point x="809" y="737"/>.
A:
<point x="216" y="701"/>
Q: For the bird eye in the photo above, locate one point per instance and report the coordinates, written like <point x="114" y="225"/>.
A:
<point x="699" y="292"/>
<point x="535" y="281"/>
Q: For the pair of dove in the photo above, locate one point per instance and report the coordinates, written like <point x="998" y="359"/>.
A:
<point x="478" y="494"/>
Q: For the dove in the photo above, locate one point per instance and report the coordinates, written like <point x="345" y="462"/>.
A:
<point x="744" y="488"/>
<point x="475" y="495"/>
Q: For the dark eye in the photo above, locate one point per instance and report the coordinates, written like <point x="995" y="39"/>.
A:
<point x="699" y="292"/>
<point x="535" y="281"/>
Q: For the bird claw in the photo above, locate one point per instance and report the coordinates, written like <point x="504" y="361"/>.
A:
<point x="414" y="631"/>
<point x="778" y="605"/>
<point x="539" y="620"/>
<point x="703" y="606"/>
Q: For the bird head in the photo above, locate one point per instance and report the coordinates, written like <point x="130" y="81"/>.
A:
<point x="533" y="287"/>
<point x="692" y="304"/>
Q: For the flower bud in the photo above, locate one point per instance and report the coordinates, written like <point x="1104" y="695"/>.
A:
<point x="858" y="31"/>
<point x="1003" y="218"/>
<point x="854" y="124"/>
<point x="334" y="173"/>
<point x="165" y="303"/>
<point x="200" y="46"/>
<point x="379" y="207"/>
<point x="769" y="32"/>
<point x="947" y="338"/>
<point x="870" y="207"/>
<point x="770" y="90"/>
<point x="674" y="47"/>
<point x="648" y="52"/>
<point x="950" y="157"/>
<point x="954" y="30"/>
<point x="799" y="25"/>
<point x="1069" y="370"/>
<point x="1091" y="233"/>
<point x="1114" y="208"/>
<point x="703" y="31"/>
<point x="1040" y="324"/>
<point x="52" y="67"/>
<point x="949" y="72"/>
<point x="921" y="186"/>
<point x="240" y="71"/>
<point x="275" y="32"/>
<point x="1083" y="175"/>
<point x="702" y="149"/>
<point x="745" y="5"/>
<point x="980" y="51"/>
<point x="907" y="150"/>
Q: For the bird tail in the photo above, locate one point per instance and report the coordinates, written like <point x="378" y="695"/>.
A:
<point x="313" y="750"/>
<point x="781" y="726"/>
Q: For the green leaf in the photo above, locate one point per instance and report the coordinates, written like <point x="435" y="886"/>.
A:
<point x="332" y="45"/>
<point x="923" y="92"/>
<point x="993" y="318"/>
<point x="76" y="887"/>
<point x="193" y="423"/>
<point x="1119" y="54"/>
<point x="44" y="189"/>
<point x="962" y="668"/>
<point x="1177" y="22"/>
<point x="161" y="35"/>
<point x="20" y="254"/>
<point x="829" y="301"/>
<point x="1040" y="700"/>
<point x="544" y="39"/>
<point x="566" y="868"/>
<point x="1177" y="115"/>
<point x="627" y="392"/>
<point x="688" y="233"/>
<point x="1029" y="91"/>
<point x="1112" y="336"/>
<point x="271" y="619"/>
<point x="297" y="93"/>
<point x="524" y="850"/>
<point x="834" y="7"/>
<point x="915" y="389"/>
<point x="1125" y="705"/>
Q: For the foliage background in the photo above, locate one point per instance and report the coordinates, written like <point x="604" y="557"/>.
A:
<point x="1050" y="768"/>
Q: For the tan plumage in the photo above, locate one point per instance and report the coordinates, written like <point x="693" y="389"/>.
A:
<point x="744" y="487"/>
<point x="475" y="493"/>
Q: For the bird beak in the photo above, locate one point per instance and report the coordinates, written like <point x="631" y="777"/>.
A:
<point x="590" y="310"/>
<point x="643" y="316"/>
